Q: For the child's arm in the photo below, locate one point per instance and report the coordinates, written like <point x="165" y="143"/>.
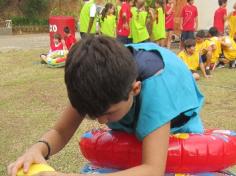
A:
<point x="196" y="23"/>
<point x="91" y="20"/>
<point x="154" y="155"/>
<point x="202" y="68"/>
<point x="57" y="138"/>
<point x="92" y="17"/>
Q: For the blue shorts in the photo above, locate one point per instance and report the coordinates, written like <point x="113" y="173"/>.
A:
<point x="187" y="35"/>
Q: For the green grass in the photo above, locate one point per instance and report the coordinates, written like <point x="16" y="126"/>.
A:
<point x="32" y="96"/>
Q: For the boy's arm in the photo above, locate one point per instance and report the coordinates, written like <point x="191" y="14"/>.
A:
<point x="196" y="23"/>
<point x="92" y="17"/>
<point x="91" y="20"/>
<point x="63" y="130"/>
<point x="202" y="68"/>
<point x="155" y="144"/>
<point x="57" y="138"/>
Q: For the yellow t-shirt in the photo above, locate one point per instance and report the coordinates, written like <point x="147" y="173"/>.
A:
<point x="202" y="47"/>
<point x="215" y="43"/>
<point x="192" y="61"/>
<point x="232" y="25"/>
<point x="229" y="52"/>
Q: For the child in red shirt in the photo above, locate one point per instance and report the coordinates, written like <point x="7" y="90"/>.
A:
<point x="123" y="26"/>
<point x="169" y="21"/>
<point x="57" y="45"/>
<point x="188" y="21"/>
<point x="220" y="16"/>
<point x="69" y="38"/>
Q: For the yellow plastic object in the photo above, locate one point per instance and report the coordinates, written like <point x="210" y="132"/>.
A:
<point x="182" y="135"/>
<point x="35" y="169"/>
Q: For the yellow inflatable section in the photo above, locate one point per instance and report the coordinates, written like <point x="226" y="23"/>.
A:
<point x="35" y="169"/>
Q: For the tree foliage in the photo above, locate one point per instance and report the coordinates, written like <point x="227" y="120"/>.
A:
<point x="34" y="8"/>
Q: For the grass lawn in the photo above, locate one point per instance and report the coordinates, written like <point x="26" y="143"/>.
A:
<point x="32" y="97"/>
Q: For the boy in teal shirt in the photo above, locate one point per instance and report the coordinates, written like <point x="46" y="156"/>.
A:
<point x="143" y="89"/>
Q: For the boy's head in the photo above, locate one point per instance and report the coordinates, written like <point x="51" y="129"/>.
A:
<point x="100" y="76"/>
<point x="213" y="32"/>
<point x="189" y="46"/>
<point x="57" y="38"/>
<point x="66" y="30"/>
<point x="234" y="7"/>
<point x="200" y="36"/>
<point x="222" y="3"/>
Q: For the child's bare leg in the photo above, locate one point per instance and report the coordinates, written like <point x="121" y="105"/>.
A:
<point x="168" y="39"/>
<point x="196" y="76"/>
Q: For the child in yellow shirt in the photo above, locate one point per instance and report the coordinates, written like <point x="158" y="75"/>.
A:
<point x="192" y="58"/>
<point x="232" y="23"/>
<point x="204" y="49"/>
<point x="215" y="47"/>
<point x="229" y="50"/>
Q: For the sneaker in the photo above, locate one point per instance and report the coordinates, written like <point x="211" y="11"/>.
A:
<point x="232" y="64"/>
<point x="220" y="65"/>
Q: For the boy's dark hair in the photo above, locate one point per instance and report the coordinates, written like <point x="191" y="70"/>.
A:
<point x="66" y="30"/>
<point x="189" y="43"/>
<point x="201" y="34"/>
<point x="99" y="72"/>
<point x="221" y="2"/>
<point x="188" y="1"/>
<point x="213" y="32"/>
<point x="57" y="36"/>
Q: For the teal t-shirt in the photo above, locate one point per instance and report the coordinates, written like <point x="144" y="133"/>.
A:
<point x="171" y="94"/>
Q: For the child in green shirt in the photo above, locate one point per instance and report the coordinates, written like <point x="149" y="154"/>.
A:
<point x="139" y="32"/>
<point x="108" y="21"/>
<point x="158" y="28"/>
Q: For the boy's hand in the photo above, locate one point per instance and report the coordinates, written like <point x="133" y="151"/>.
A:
<point x="208" y="76"/>
<point x="33" y="155"/>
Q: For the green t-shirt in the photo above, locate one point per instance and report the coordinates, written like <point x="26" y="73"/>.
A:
<point x="108" y="26"/>
<point x="85" y="17"/>
<point x="139" y="30"/>
<point x="158" y="28"/>
<point x="118" y="8"/>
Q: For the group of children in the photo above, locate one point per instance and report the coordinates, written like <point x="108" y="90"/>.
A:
<point x="212" y="48"/>
<point x="130" y="21"/>
<point x="59" y="44"/>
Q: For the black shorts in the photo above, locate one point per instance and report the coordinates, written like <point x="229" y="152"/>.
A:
<point x="187" y="35"/>
<point x="123" y="39"/>
<point x="204" y="58"/>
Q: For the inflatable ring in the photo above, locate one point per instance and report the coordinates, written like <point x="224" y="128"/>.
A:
<point x="211" y="151"/>
<point x="56" y="58"/>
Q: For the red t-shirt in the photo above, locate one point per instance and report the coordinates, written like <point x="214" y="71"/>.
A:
<point x="219" y="19"/>
<point x="189" y="13"/>
<point x="169" y="18"/>
<point x="125" y="9"/>
<point x="69" y="41"/>
<point x="58" y="47"/>
<point x="234" y="13"/>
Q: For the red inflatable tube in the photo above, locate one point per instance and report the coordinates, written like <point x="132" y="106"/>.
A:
<point x="60" y="59"/>
<point x="187" y="153"/>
